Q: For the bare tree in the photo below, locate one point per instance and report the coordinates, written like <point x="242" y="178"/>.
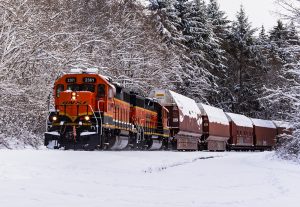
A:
<point x="291" y="9"/>
<point x="39" y="40"/>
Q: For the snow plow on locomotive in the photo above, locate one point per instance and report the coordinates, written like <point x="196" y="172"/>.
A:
<point x="92" y="112"/>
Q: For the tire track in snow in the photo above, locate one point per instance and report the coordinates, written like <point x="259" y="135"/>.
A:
<point x="176" y="164"/>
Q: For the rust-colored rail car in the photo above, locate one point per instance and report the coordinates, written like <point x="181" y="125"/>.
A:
<point x="184" y="119"/>
<point x="215" y="127"/>
<point x="283" y="127"/>
<point x="241" y="132"/>
<point x="264" y="134"/>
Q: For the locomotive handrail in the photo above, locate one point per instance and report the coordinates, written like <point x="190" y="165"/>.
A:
<point x="95" y="118"/>
<point x="47" y="121"/>
<point x="98" y="104"/>
<point x="49" y="111"/>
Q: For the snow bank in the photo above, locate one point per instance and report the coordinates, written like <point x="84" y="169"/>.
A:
<point x="263" y="123"/>
<point x="214" y="114"/>
<point x="145" y="179"/>
<point x="240" y="120"/>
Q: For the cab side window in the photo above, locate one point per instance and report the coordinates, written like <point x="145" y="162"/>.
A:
<point x="59" y="88"/>
<point x="101" y="91"/>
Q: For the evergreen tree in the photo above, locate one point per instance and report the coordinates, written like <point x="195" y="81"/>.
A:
<point x="199" y="38"/>
<point x="278" y="34"/>
<point x="292" y="36"/>
<point x="218" y="19"/>
<point x="290" y="55"/>
<point x="220" y="26"/>
<point x="184" y="27"/>
<point x="281" y="78"/>
<point x="262" y="38"/>
<point x="168" y="22"/>
<point x="243" y="74"/>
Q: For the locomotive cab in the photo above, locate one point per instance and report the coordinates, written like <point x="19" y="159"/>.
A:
<point x="81" y="99"/>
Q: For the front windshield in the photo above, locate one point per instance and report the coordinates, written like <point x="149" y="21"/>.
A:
<point x="81" y="87"/>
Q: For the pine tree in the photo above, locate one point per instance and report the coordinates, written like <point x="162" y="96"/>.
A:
<point x="166" y="14"/>
<point x="198" y="36"/>
<point x="262" y="38"/>
<point x="279" y="34"/>
<point x="284" y="56"/>
<point x="289" y="51"/>
<point x="218" y="19"/>
<point x="184" y="27"/>
<point x="243" y="75"/>
<point x="220" y="26"/>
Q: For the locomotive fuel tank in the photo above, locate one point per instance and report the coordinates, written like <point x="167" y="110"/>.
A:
<point x="184" y="118"/>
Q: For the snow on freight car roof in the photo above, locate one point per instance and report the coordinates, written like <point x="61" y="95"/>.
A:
<point x="240" y="120"/>
<point x="282" y="124"/>
<point x="263" y="123"/>
<point x="214" y="114"/>
<point x="187" y="106"/>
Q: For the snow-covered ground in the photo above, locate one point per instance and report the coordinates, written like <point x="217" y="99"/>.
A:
<point x="42" y="178"/>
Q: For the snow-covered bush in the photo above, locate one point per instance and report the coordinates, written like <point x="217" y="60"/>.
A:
<point x="289" y="145"/>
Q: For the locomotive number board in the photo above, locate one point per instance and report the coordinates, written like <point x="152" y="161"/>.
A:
<point x="89" y="80"/>
<point x="70" y="80"/>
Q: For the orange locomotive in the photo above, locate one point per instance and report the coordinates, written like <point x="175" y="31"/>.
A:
<point x="92" y="112"/>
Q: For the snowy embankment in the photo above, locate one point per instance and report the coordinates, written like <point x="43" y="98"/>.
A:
<point x="134" y="179"/>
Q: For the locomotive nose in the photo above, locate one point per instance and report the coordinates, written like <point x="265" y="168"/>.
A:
<point x="75" y="104"/>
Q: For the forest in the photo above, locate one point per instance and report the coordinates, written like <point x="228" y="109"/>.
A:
<point x="190" y="47"/>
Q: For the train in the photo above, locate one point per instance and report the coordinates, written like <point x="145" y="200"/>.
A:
<point x="92" y="112"/>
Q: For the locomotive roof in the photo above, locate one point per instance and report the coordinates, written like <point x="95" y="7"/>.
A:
<point x="79" y="72"/>
<point x="240" y="120"/>
<point x="214" y="114"/>
<point x="263" y="123"/>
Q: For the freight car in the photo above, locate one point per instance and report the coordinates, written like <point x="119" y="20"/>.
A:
<point x="92" y="112"/>
<point x="241" y="132"/>
<point x="283" y="127"/>
<point x="215" y="127"/>
<point x="264" y="134"/>
<point x="184" y="119"/>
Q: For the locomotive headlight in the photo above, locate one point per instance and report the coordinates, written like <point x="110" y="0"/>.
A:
<point x="73" y="96"/>
<point x="87" y="118"/>
<point x="54" y="118"/>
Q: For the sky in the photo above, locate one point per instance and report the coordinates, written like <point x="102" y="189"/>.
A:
<point x="260" y="12"/>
